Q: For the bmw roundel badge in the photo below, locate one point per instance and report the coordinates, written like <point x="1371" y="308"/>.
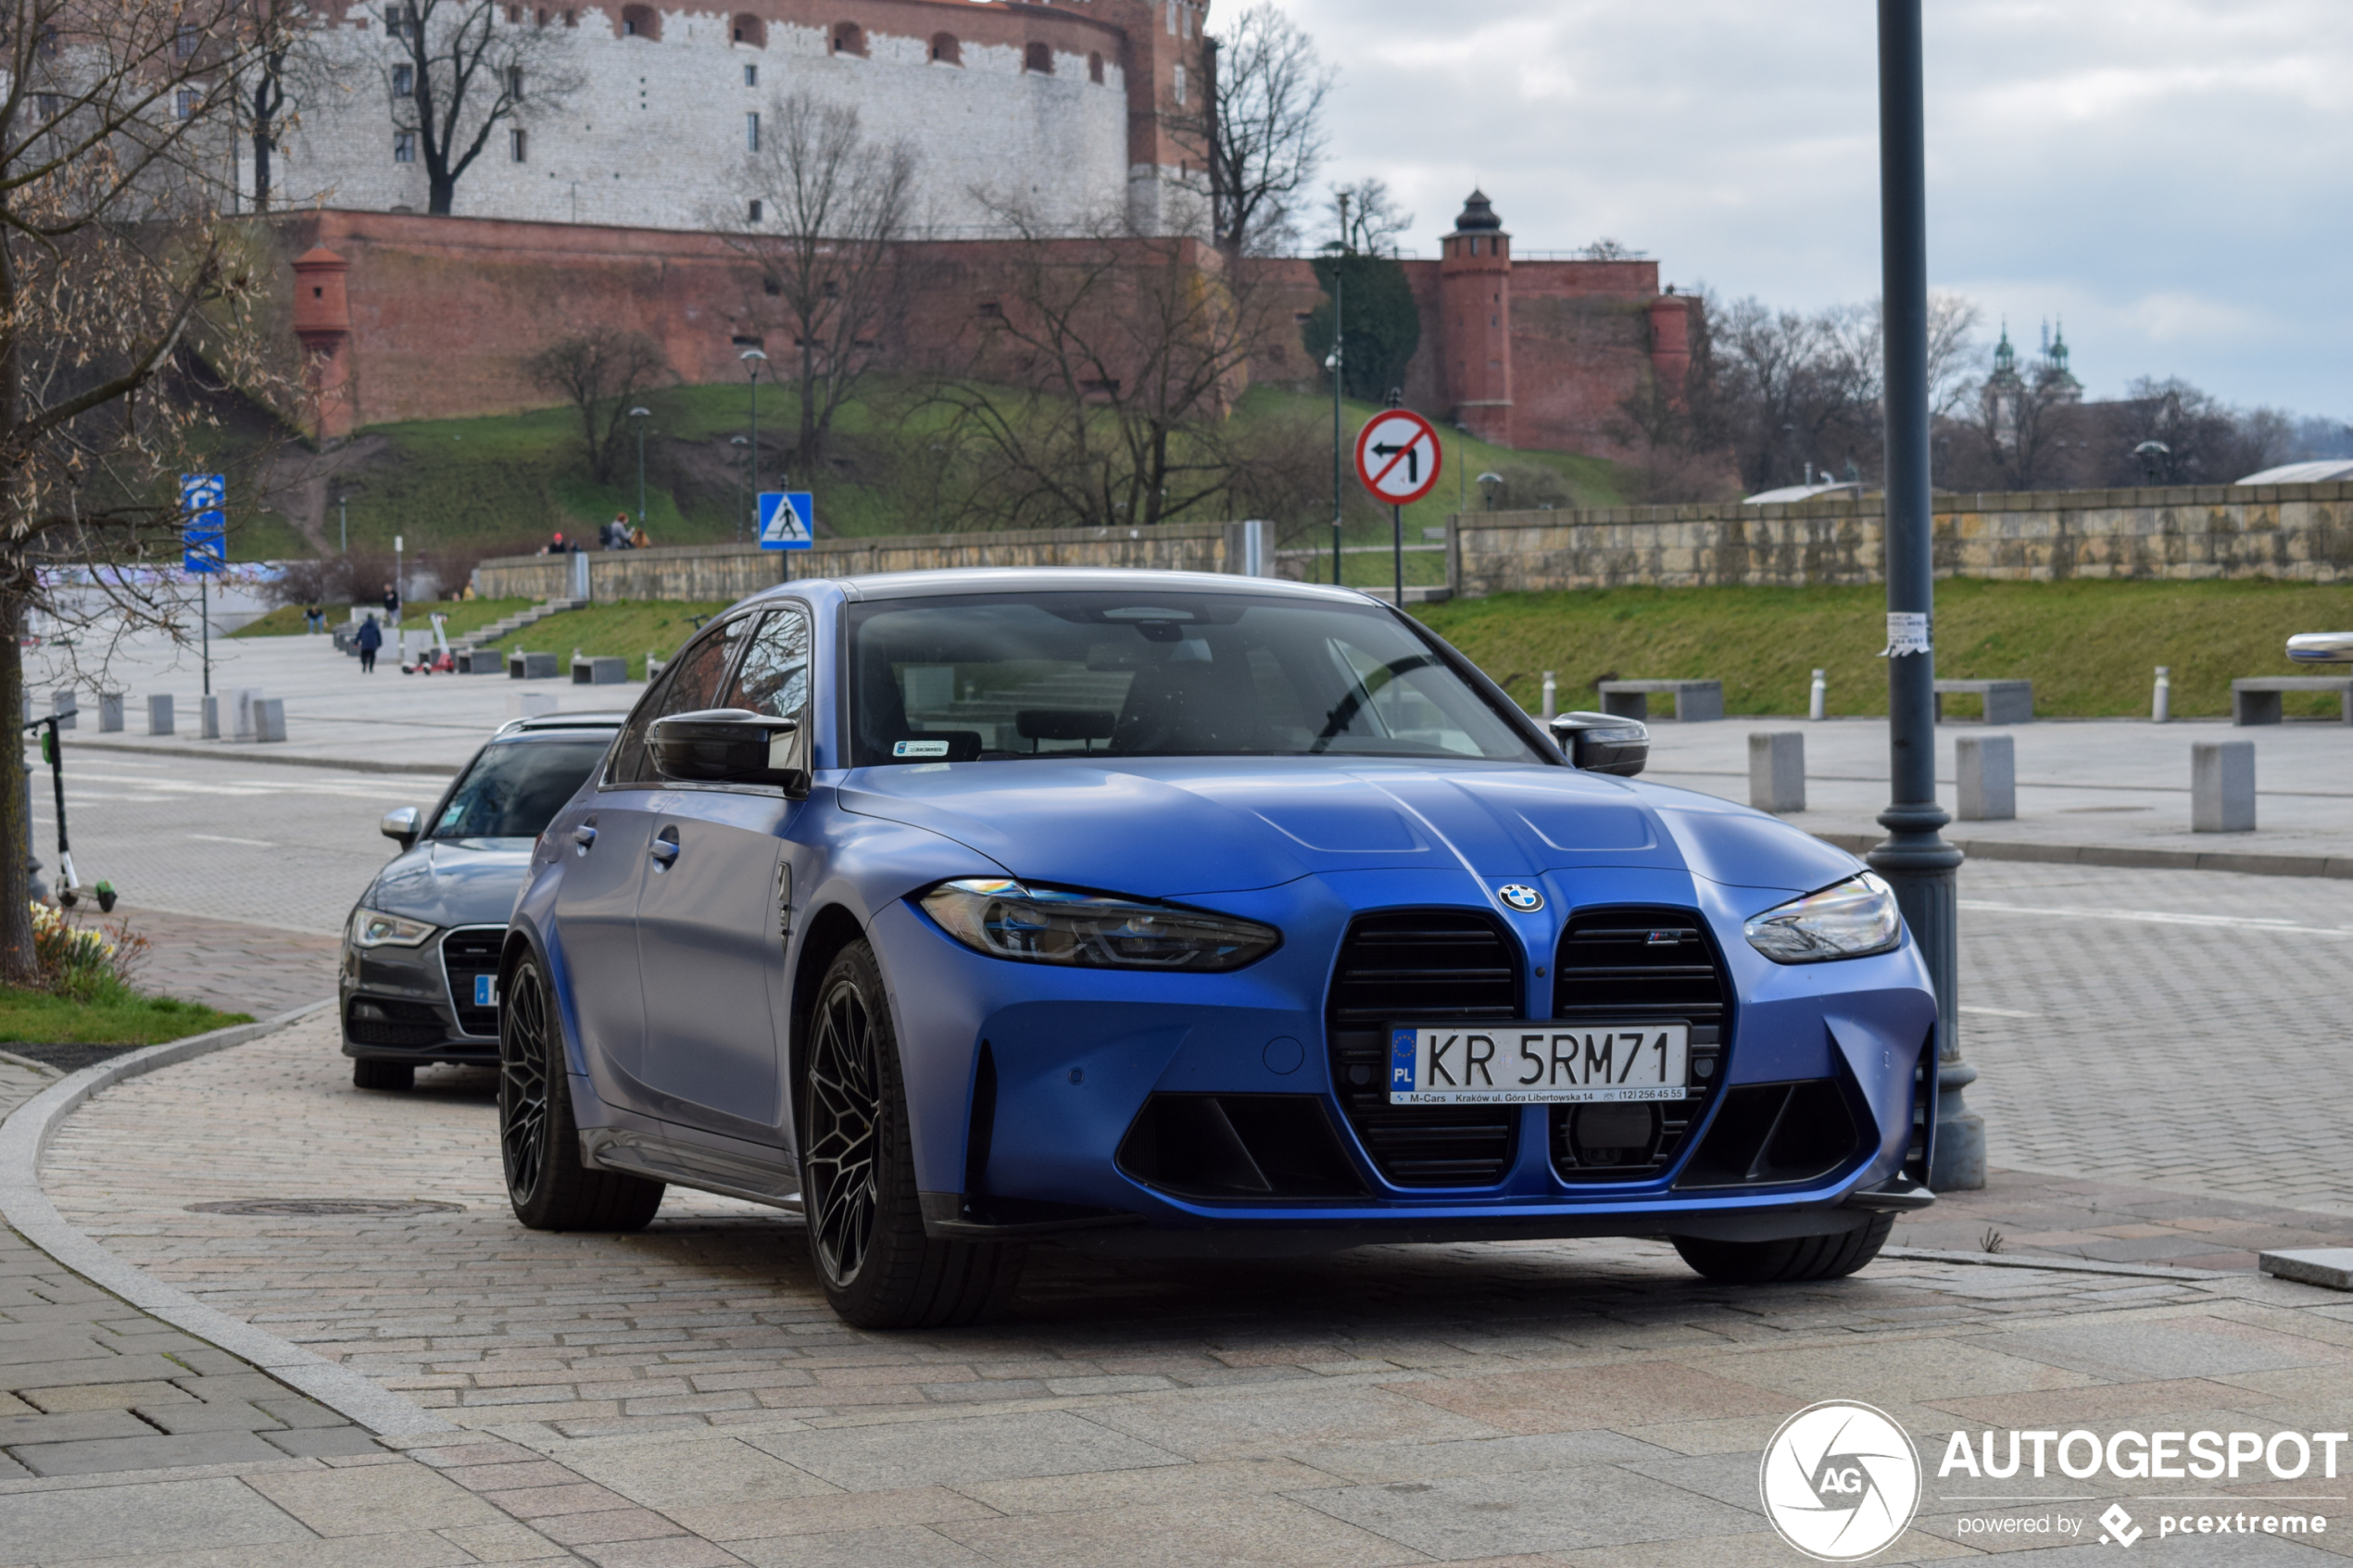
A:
<point x="1521" y="897"/>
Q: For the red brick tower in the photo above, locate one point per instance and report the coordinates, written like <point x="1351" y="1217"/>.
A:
<point x="1474" y="316"/>
<point x="322" y="320"/>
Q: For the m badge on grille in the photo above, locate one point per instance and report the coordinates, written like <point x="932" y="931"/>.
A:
<point x="1521" y="897"/>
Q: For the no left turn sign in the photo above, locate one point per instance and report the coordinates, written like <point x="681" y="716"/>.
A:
<point x="1397" y="457"/>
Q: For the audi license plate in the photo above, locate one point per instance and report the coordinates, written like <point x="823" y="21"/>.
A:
<point x="1537" y="1064"/>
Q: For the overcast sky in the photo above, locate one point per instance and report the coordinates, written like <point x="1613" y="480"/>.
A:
<point x="2170" y="177"/>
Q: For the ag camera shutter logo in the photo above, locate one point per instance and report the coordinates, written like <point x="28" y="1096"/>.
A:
<point x="1840" y="1481"/>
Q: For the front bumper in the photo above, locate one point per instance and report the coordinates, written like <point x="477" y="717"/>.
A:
<point x="1027" y="1084"/>
<point x="416" y="1004"/>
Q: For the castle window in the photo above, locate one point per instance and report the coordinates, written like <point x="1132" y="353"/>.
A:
<point x="1172" y="18"/>
<point x="188" y="100"/>
<point x="404" y="80"/>
<point x="518" y="145"/>
<point x="1177" y="85"/>
<point x="543" y="16"/>
<point x="640" y="21"/>
<point x="514" y="16"/>
<point x="759" y="212"/>
<point x="514" y="83"/>
<point x="1190" y="20"/>
<point x="187" y="40"/>
<point x="751" y="29"/>
<point x="945" y="50"/>
<point x="1039" y="58"/>
<point x="404" y="147"/>
<point x="751" y="76"/>
<point x="751" y="131"/>
<point x="990" y="310"/>
<point x="850" y="39"/>
<point x="1095" y="70"/>
<point x="572" y="18"/>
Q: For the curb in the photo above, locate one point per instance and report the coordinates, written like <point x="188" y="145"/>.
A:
<point x="26" y="1208"/>
<point x="2059" y="1265"/>
<point x="232" y="754"/>
<point x="2117" y="855"/>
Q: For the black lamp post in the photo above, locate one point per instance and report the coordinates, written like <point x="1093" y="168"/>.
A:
<point x="743" y="451"/>
<point x="638" y="418"/>
<point x="1487" y="484"/>
<point x="1915" y="859"/>
<point x="753" y="359"/>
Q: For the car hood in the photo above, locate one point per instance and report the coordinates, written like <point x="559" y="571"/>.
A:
<point x="1176" y="827"/>
<point x="454" y="881"/>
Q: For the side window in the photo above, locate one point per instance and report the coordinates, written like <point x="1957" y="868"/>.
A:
<point x="774" y="677"/>
<point x="690" y="683"/>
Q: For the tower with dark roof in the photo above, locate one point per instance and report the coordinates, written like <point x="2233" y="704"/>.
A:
<point x="1475" y="313"/>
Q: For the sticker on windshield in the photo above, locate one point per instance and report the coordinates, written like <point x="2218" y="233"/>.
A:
<point x="919" y="749"/>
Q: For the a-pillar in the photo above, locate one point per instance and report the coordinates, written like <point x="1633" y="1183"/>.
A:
<point x="1475" y="310"/>
<point x="322" y="320"/>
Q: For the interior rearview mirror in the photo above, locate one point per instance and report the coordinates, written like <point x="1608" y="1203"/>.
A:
<point x="401" y="826"/>
<point x="731" y="745"/>
<point x="1604" y="743"/>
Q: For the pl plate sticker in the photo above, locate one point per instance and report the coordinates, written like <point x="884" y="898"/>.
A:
<point x="1840" y="1481"/>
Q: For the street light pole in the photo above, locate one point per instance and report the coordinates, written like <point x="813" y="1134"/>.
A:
<point x="739" y="442"/>
<point x="753" y="359"/>
<point x="1915" y="859"/>
<point x="638" y="418"/>
<point x="1334" y="364"/>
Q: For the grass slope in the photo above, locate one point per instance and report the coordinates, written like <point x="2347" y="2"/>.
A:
<point x="124" y="1019"/>
<point x="629" y="629"/>
<point x="2091" y="647"/>
<point x="463" y="615"/>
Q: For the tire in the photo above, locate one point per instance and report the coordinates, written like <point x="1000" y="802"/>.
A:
<point x="378" y="1074"/>
<point x="538" y="1141"/>
<point x="858" y="1173"/>
<point x="1790" y="1261"/>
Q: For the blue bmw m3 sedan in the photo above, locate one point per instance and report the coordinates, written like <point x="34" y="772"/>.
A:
<point x="1165" y="914"/>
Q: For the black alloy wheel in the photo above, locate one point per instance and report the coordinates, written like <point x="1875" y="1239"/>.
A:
<point x="538" y="1141"/>
<point x="879" y="1267"/>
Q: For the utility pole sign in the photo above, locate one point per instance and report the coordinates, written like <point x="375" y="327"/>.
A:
<point x="1397" y="457"/>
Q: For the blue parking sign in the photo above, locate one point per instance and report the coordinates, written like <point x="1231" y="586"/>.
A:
<point x="204" y="536"/>
<point x="788" y="520"/>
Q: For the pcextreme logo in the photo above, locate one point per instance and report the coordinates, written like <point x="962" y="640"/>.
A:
<point x="1840" y="1481"/>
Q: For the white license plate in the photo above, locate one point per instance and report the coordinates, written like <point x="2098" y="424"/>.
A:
<point x="1537" y="1064"/>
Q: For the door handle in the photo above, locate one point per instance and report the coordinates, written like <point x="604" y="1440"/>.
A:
<point x="584" y="835"/>
<point x="664" y="848"/>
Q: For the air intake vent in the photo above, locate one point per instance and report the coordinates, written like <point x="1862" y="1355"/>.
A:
<point x="374" y="1020"/>
<point x="1638" y="965"/>
<point x="1448" y="965"/>
<point x="466" y="953"/>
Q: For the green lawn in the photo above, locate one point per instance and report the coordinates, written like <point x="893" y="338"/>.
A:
<point x="129" y="1018"/>
<point x="631" y="629"/>
<point x="464" y="615"/>
<point x="2091" y="647"/>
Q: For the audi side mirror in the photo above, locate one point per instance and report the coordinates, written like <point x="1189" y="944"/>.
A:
<point x="401" y="826"/>
<point x="1604" y="743"/>
<point x="730" y="746"/>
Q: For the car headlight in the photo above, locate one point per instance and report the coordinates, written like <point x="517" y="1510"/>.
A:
<point x="374" y="928"/>
<point x="1847" y="920"/>
<point x="1006" y="919"/>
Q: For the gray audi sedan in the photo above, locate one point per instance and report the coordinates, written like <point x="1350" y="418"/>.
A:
<point x="419" y="979"/>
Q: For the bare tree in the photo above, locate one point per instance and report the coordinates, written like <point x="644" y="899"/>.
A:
<point x="1125" y="352"/>
<point x="293" y="69"/>
<point x="600" y="373"/>
<point x="1264" y="131"/>
<point x="458" y="70"/>
<point x="1367" y="219"/>
<point x="820" y="208"/>
<point x="130" y="315"/>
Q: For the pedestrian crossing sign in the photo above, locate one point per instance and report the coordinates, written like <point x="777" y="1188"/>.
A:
<point x="788" y="520"/>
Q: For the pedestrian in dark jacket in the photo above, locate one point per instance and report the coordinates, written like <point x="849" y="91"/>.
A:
<point x="369" y="638"/>
<point x="392" y="604"/>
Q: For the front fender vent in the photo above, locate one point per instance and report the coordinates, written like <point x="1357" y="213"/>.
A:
<point x="1405" y="966"/>
<point x="1775" y="1134"/>
<point x="1229" y="1148"/>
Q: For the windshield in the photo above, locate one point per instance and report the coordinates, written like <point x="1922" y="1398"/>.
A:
<point x="1155" y="674"/>
<point x="513" y="787"/>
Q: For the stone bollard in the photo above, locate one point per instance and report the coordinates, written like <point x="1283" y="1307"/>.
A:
<point x="64" y="705"/>
<point x="2222" y="786"/>
<point x="1551" y="697"/>
<point x="241" y="705"/>
<point x="109" y="713"/>
<point x="210" y="730"/>
<point x="1819" y="699"/>
<point x="158" y="716"/>
<point x="1986" y="768"/>
<point x="2161" y="699"/>
<point x="270" y="719"/>
<point x="1777" y="770"/>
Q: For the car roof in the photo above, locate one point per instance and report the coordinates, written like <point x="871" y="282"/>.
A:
<point x="543" y="723"/>
<point x="1084" y="579"/>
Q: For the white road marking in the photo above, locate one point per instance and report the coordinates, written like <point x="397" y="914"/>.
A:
<point x="2001" y="1012"/>
<point x="2161" y="917"/>
<point x="255" y="843"/>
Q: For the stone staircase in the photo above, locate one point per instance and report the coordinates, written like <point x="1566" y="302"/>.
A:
<point x="500" y="630"/>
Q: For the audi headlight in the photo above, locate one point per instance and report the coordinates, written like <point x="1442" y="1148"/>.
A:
<point x="374" y="928"/>
<point x="1006" y="919"/>
<point x="1845" y="921"/>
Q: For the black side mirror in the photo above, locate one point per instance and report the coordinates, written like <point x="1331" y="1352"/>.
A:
<point x="1604" y="743"/>
<point x="401" y="826"/>
<point x="730" y="746"/>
